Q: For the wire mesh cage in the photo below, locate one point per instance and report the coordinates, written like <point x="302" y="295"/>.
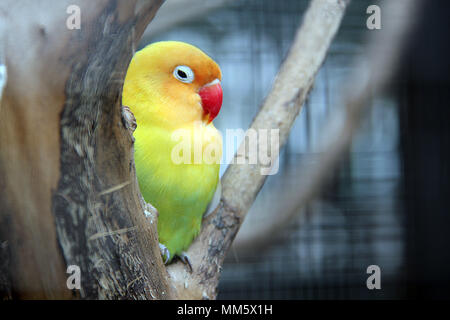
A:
<point x="357" y="221"/>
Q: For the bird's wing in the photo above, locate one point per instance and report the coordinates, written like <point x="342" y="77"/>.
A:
<point x="214" y="201"/>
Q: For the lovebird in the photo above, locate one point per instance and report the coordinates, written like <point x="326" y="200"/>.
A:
<point x="174" y="91"/>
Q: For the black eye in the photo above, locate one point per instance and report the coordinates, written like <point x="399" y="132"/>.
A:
<point x="182" y="74"/>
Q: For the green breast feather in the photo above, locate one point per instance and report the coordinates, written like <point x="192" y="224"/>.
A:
<point x="180" y="192"/>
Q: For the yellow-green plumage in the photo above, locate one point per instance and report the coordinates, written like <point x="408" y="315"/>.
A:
<point x="163" y="105"/>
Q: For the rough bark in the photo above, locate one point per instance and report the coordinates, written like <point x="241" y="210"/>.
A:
<point x="62" y="143"/>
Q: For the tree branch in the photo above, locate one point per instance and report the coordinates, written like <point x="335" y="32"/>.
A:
<point x="175" y="12"/>
<point x="369" y="78"/>
<point x="241" y="183"/>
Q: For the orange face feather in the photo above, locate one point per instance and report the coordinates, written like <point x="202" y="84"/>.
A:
<point x="163" y="82"/>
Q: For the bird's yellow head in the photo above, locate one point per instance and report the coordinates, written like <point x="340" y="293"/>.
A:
<point x="171" y="84"/>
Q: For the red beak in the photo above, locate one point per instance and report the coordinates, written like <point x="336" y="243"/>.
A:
<point x="211" y="95"/>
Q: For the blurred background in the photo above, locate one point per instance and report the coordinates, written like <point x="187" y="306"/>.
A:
<point x="384" y="204"/>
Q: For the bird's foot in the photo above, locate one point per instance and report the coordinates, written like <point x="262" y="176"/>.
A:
<point x="185" y="259"/>
<point x="164" y="252"/>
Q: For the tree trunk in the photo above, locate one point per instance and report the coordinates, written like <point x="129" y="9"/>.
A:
<point x="62" y="143"/>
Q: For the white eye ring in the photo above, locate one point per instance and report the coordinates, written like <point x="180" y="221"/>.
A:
<point x="184" y="74"/>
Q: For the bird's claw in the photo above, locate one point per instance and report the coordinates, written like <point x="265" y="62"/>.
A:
<point x="164" y="252"/>
<point x="185" y="259"/>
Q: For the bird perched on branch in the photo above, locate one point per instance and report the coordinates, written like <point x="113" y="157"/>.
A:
<point x="174" y="92"/>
